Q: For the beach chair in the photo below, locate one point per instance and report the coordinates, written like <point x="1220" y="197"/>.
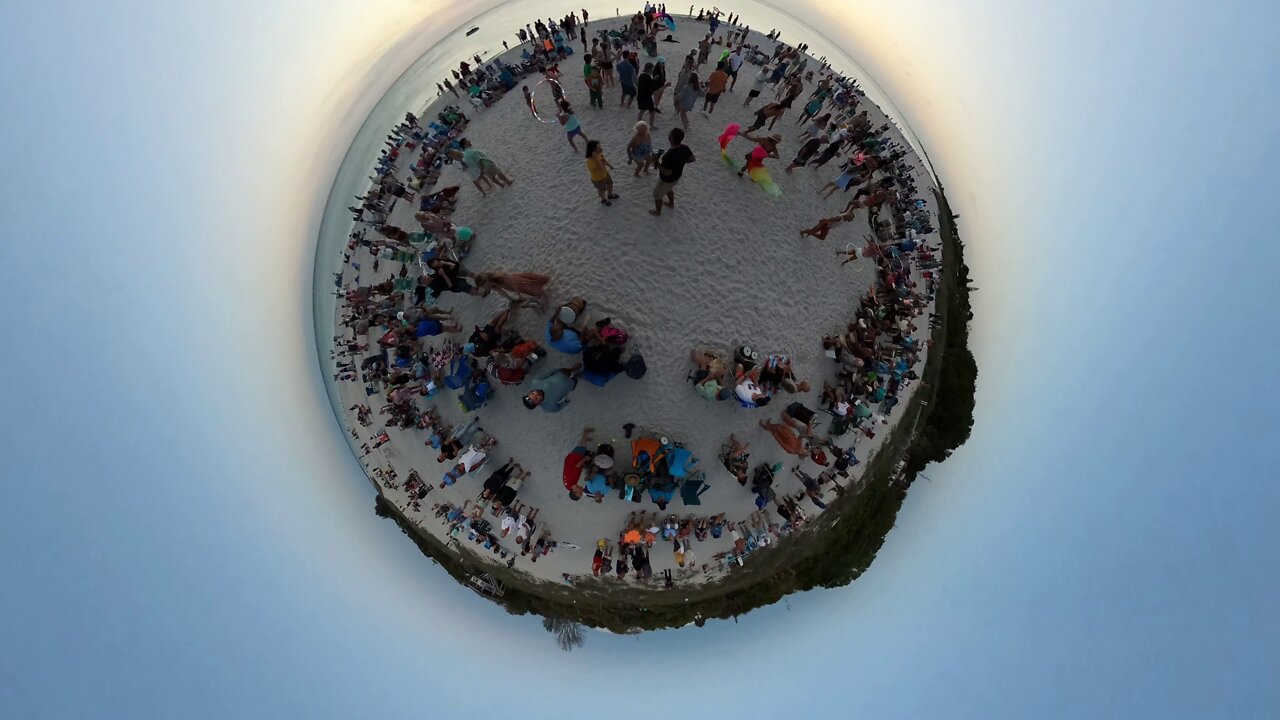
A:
<point x="646" y="453"/>
<point x="459" y="372"/>
<point x="693" y="487"/>
<point x="476" y="395"/>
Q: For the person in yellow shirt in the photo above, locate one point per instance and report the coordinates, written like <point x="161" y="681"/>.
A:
<point x="598" y="166"/>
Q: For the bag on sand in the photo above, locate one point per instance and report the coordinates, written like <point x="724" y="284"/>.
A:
<point x="635" y="367"/>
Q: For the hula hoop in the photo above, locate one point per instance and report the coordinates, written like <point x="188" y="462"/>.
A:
<point x="533" y="103"/>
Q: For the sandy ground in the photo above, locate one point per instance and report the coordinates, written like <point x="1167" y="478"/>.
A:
<point x="726" y="267"/>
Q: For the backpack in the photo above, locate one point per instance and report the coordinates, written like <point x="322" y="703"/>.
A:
<point x="635" y="367"/>
<point x="612" y="333"/>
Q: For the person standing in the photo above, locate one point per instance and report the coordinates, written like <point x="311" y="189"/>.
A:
<point x="584" y="17"/>
<point x="627" y="80"/>
<point x="598" y="166"/>
<point x="757" y="85"/>
<point x="595" y="88"/>
<point x="645" y="86"/>
<point x="670" y="169"/>
<point x="687" y="98"/>
<point x="715" y="86"/>
<point x="571" y="125"/>
<point x="735" y="60"/>
<point x="704" y="50"/>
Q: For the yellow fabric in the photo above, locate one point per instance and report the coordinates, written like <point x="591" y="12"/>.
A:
<point x="599" y="171"/>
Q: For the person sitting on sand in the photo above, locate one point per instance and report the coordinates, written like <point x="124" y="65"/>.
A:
<point x="788" y="440"/>
<point x="566" y="326"/>
<point x="485" y="339"/>
<point x="506" y="494"/>
<point x="528" y="288"/>
<point x="736" y="459"/>
<point x="748" y="392"/>
<point x="433" y="223"/>
<point x="598" y="485"/>
<point x="776" y="373"/>
<point x="709" y="377"/>
<point x="551" y="389"/>
<point x="799" y="417"/>
<point x="640" y="149"/>
<point x="431" y="321"/>
<point x="576" y="464"/>
<point x="448" y="277"/>
<point x="601" y="360"/>
<point x="497" y="479"/>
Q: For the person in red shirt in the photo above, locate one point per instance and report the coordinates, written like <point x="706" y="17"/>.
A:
<point x="576" y="465"/>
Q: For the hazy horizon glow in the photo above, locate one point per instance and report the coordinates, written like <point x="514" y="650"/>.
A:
<point x="186" y="535"/>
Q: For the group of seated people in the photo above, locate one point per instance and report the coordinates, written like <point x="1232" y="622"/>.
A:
<point x="655" y="465"/>
<point x="755" y="379"/>
<point x="876" y="354"/>
<point x="469" y="519"/>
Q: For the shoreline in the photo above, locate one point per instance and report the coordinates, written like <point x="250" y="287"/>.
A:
<point x="540" y="594"/>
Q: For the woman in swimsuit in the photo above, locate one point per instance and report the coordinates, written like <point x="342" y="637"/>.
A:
<point x="640" y="149"/>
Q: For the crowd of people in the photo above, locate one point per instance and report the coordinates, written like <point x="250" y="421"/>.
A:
<point x="404" y="347"/>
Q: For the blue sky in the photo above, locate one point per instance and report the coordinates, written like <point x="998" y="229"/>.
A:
<point x="185" y="534"/>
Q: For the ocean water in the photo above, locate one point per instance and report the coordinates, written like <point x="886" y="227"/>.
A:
<point x="415" y="89"/>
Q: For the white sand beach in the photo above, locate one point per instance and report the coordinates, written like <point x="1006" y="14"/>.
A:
<point x="726" y="267"/>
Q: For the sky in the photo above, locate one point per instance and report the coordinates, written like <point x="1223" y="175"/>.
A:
<point x="184" y="533"/>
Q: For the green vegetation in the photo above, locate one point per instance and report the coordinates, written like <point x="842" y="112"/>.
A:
<point x="838" y="547"/>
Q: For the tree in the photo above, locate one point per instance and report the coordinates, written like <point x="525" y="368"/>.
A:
<point x="568" y="633"/>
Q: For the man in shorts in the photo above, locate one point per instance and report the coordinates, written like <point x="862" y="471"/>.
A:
<point x="757" y="85"/>
<point x="734" y="62"/>
<point x="716" y="83"/>
<point x="670" y="168"/>
<point x="627" y="79"/>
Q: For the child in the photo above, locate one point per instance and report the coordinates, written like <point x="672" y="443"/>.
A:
<point x="570" y="122"/>
<point x="640" y="149"/>
<point x="599" y="168"/>
<point x="595" y="87"/>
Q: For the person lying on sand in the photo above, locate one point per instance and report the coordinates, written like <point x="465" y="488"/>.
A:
<point x="551" y="390"/>
<point x="789" y="441"/>
<point x="528" y="288"/>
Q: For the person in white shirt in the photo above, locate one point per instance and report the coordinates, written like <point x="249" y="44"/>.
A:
<point x="757" y="86"/>
<point x="735" y="62"/>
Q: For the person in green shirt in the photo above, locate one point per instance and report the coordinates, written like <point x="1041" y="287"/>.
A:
<point x="595" y="87"/>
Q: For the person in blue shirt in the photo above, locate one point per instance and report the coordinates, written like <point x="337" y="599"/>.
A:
<point x="627" y="80"/>
<point x="551" y="390"/>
